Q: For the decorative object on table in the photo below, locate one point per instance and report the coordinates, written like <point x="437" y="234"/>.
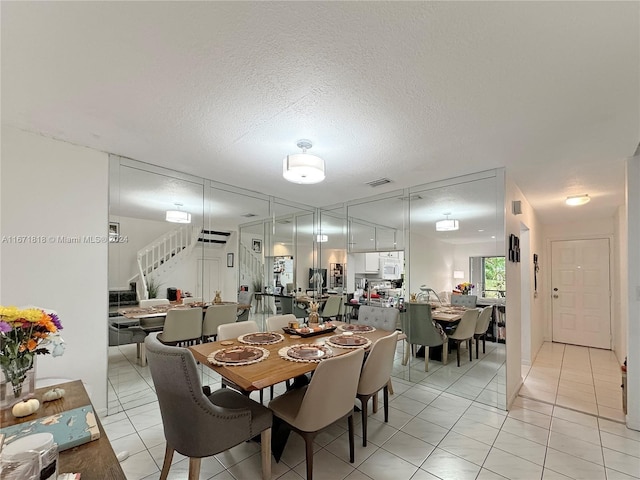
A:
<point x="304" y="331"/>
<point x="53" y="394"/>
<point x="217" y="299"/>
<point x="314" y="316"/>
<point x="465" y="287"/>
<point x="261" y="338"/>
<point x="413" y="297"/>
<point x="348" y="341"/>
<point x="357" y="328"/>
<point x="25" y="408"/>
<point x="25" y="333"/>
<point x="305" y="353"/>
<point x="69" y="429"/>
<point x="238" y="356"/>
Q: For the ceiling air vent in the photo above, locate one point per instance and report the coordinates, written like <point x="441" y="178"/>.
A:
<point x="411" y="198"/>
<point x="380" y="181"/>
<point x="249" y="215"/>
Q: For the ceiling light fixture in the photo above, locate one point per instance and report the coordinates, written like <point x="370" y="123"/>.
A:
<point x="447" y="225"/>
<point x="577" y="200"/>
<point x="178" y="216"/>
<point x="322" y="238"/>
<point x="303" y="167"/>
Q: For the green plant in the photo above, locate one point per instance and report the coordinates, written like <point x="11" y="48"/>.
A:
<point x="153" y="286"/>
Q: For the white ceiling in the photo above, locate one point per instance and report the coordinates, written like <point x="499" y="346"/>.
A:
<point x="414" y="91"/>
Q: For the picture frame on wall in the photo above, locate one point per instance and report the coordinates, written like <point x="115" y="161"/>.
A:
<point x="230" y="260"/>
<point x="114" y="231"/>
<point x="256" y="245"/>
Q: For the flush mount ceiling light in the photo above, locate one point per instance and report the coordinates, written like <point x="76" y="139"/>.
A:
<point x="303" y="167"/>
<point x="447" y="225"/>
<point x="322" y="238"/>
<point x="575" y="200"/>
<point x="178" y="216"/>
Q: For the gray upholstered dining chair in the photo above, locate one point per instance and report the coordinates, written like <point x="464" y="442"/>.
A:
<point x="182" y="326"/>
<point x="379" y="317"/>
<point x="482" y="325"/>
<point x="419" y="328"/>
<point x="328" y="397"/>
<point x="464" y="332"/>
<point x="468" y="301"/>
<point x="198" y="426"/>
<point x="375" y="376"/>
<point x="289" y="305"/>
<point x="216" y="315"/>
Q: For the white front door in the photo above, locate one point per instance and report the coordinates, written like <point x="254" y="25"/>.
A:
<point x="580" y="292"/>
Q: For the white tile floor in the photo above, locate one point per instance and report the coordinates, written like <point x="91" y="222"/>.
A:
<point x="438" y="428"/>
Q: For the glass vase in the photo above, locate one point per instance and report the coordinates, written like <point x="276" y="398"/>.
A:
<point x="17" y="383"/>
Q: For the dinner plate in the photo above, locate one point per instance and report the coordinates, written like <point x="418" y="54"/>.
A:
<point x="261" y="338"/>
<point x="348" y="340"/>
<point x="238" y="354"/>
<point x="309" y="352"/>
<point x="356" y="328"/>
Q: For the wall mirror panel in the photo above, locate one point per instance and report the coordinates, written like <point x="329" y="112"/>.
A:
<point x="441" y="257"/>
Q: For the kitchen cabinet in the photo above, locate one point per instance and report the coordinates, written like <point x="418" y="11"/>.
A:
<point x="372" y="262"/>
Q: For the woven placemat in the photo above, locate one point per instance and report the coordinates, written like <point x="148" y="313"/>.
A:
<point x="284" y="353"/>
<point x="211" y="357"/>
<point x="246" y="338"/>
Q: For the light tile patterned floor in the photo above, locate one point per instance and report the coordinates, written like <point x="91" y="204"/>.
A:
<point x="434" y="431"/>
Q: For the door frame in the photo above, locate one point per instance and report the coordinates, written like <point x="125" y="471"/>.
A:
<point x="548" y="330"/>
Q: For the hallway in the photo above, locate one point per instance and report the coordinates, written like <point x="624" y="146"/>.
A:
<point x="578" y="378"/>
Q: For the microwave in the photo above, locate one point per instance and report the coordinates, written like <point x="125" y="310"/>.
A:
<point x="389" y="269"/>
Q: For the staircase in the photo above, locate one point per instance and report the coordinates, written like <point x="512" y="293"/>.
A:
<point x="163" y="254"/>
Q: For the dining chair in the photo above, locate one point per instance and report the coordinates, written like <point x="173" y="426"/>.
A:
<point x="331" y="308"/>
<point x="216" y="315"/>
<point x="244" y="298"/>
<point x="231" y="331"/>
<point x="182" y="326"/>
<point x="196" y="425"/>
<point x="328" y="397"/>
<point x="190" y="300"/>
<point x="277" y="322"/>
<point x="375" y="376"/>
<point x="419" y="328"/>
<point x="464" y="332"/>
<point x="468" y="301"/>
<point x="152" y="302"/>
<point x="289" y="305"/>
<point x="482" y="325"/>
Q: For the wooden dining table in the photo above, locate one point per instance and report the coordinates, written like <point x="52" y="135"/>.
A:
<point x="273" y="369"/>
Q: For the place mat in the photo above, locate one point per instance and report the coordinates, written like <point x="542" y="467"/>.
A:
<point x="305" y="352"/>
<point x="237" y="356"/>
<point x="261" y="338"/>
<point x="348" y="341"/>
<point x="356" y="328"/>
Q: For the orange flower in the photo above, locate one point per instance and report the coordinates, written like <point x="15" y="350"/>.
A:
<point x="32" y="344"/>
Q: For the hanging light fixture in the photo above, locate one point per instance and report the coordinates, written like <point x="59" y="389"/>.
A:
<point x="303" y="167"/>
<point x="578" y="200"/>
<point x="178" y="216"/>
<point x="447" y="225"/>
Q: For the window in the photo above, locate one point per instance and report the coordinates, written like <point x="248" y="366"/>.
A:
<point x="488" y="275"/>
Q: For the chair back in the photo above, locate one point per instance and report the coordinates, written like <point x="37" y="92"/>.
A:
<point x="181" y="325"/>
<point x="467" y="325"/>
<point x="190" y="300"/>
<point x="245" y="298"/>
<point x="330" y="394"/>
<point x="332" y="306"/>
<point x="152" y="302"/>
<point x="418" y="326"/>
<point x="289" y="306"/>
<point x="482" y="324"/>
<point x="217" y="315"/>
<point x="377" y="368"/>
<point x="187" y="414"/>
<point x="379" y="317"/>
<point x="233" y="330"/>
<point x="468" y="301"/>
<point x="275" y="323"/>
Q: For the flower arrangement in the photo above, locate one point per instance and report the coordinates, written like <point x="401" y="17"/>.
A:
<point x="25" y="333"/>
<point x="465" y="287"/>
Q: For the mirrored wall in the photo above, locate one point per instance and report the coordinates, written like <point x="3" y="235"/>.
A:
<point x="252" y="248"/>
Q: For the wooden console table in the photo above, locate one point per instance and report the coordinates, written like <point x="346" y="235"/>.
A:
<point x="95" y="460"/>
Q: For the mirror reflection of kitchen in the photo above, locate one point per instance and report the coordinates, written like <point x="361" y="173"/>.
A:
<point x="378" y="276"/>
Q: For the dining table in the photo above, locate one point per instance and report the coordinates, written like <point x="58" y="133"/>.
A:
<point x="273" y="369"/>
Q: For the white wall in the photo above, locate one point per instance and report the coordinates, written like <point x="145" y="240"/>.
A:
<point x="620" y="304"/>
<point x="533" y="334"/>
<point x="432" y="266"/>
<point x="50" y="189"/>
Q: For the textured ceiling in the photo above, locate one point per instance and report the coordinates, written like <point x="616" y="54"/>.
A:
<point x="411" y="91"/>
